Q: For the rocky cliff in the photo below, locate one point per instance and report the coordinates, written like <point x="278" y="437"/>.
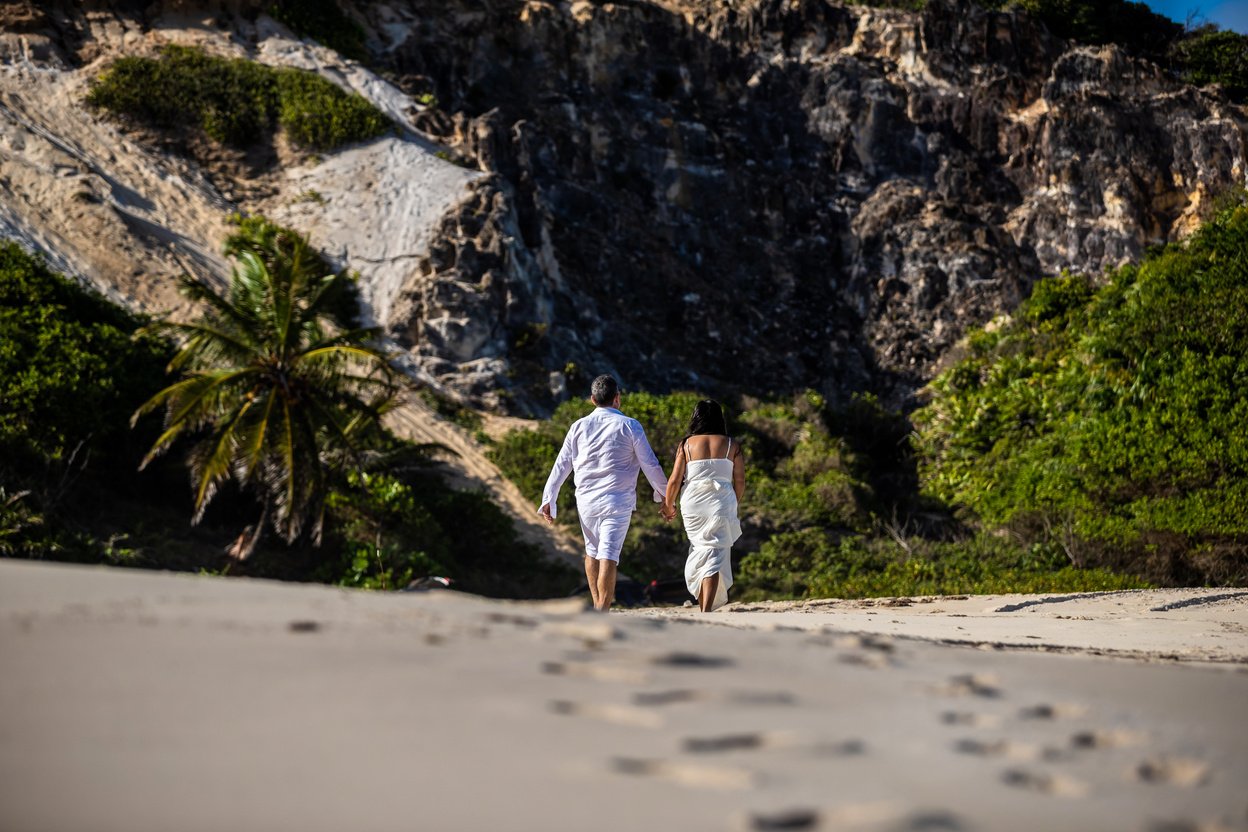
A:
<point x="738" y="195"/>
<point x="769" y="195"/>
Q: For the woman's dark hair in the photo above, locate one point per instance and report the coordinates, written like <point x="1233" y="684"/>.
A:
<point x="708" y="418"/>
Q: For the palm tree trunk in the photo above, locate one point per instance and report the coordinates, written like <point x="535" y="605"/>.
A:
<point x="246" y="542"/>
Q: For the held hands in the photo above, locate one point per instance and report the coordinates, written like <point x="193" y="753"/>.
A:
<point x="668" y="511"/>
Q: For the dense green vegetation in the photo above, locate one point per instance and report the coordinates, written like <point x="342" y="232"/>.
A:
<point x="1109" y="414"/>
<point x="1210" y="56"/>
<point x="323" y="21"/>
<point x="830" y="510"/>
<point x="235" y="101"/>
<point x="73" y="368"/>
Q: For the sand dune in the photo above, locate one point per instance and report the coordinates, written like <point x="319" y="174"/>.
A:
<point x="147" y="701"/>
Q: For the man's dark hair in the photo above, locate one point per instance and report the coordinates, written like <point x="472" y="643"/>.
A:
<point x="602" y="391"/>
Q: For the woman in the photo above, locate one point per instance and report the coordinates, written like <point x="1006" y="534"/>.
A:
<point x="709" y="477"/>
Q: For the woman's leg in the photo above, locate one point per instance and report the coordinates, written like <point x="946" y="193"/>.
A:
<point x="706" y="598"/>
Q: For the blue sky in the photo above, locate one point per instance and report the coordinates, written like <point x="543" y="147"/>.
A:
<point x="1229" y="14"/>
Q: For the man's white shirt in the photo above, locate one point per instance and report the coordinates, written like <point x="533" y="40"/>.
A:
<point x="606" y="449"/>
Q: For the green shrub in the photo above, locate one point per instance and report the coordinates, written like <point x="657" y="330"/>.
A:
<point x="1110" y="414"/>
<point x="235" y="101"/>
<point x="1210" y="56"/>
<point x="317" y="114"/>
<point x="392" y="527"/>
<point x="70" y="367"/>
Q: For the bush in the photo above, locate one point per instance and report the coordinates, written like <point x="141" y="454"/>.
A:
<point x="1109" y="414"/>
<point x="390" y="528"/>
<point x="235" y="101"/>
<point x="71" y="370"/>
<point x="1210" y="56"/>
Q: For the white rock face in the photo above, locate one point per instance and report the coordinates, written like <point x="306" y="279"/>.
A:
<point x="374" y="209"/>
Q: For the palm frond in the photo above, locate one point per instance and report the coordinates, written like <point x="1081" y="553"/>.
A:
<point x="241" y="318"/>
<point x="210" y="461"/>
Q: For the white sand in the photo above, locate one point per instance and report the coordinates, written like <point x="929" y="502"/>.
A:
<point x="147" y="701"/>
<point x="1176" y="624"/>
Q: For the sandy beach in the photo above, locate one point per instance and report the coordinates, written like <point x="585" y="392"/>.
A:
<point x="151" y="701"/>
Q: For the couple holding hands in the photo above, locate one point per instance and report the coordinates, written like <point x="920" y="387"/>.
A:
<point x="606" y="449"/>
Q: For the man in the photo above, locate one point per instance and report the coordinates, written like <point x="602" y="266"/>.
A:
<point x="605" y="449"/>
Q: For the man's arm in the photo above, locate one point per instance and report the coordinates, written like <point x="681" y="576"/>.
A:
<point x="649" y="463"/>
<point x="558" y="475"/>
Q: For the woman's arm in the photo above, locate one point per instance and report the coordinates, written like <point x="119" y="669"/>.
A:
<point x="674" y="482"/>
<point x="738" y="471"/>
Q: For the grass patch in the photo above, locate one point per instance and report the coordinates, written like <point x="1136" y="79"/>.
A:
<point x="235" y="101"/>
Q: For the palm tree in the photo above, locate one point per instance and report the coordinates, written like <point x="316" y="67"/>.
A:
<point x="279" y="387"/>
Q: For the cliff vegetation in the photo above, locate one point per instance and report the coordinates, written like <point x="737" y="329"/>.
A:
<point x="235" y="101"/>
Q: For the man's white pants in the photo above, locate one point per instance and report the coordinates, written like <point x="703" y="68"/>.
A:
<point x="604" y="535"/>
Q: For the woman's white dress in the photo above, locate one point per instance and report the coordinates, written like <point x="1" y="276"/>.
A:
<point x="708" y="506"/>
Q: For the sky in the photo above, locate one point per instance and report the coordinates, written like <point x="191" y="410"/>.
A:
<point x="1229" y="14"/>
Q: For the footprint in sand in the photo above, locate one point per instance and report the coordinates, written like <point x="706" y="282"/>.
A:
<point x="599" y="672"/>
<point x="691" y="660"/>
<point x="775" y="739"/>
<point x="687" y="774"/>
<point x="1060" y="710"/>
<point x="1177" y="771"/>
<point x="874" y="661"/>
<point x="974" y="720"/>
<point x="661" y="698"/>
<point x="1093" y="740"/>
<point x="998" y="748"/>
<point x="866" y="816"/>
<point x="791" y="819"/>
<point x="984" y="685"/>
<point x="617" y="714"/>
<point x="1058" y="785"/>
<point x="737" y="742"/>
<point x="1187" y="826"/>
